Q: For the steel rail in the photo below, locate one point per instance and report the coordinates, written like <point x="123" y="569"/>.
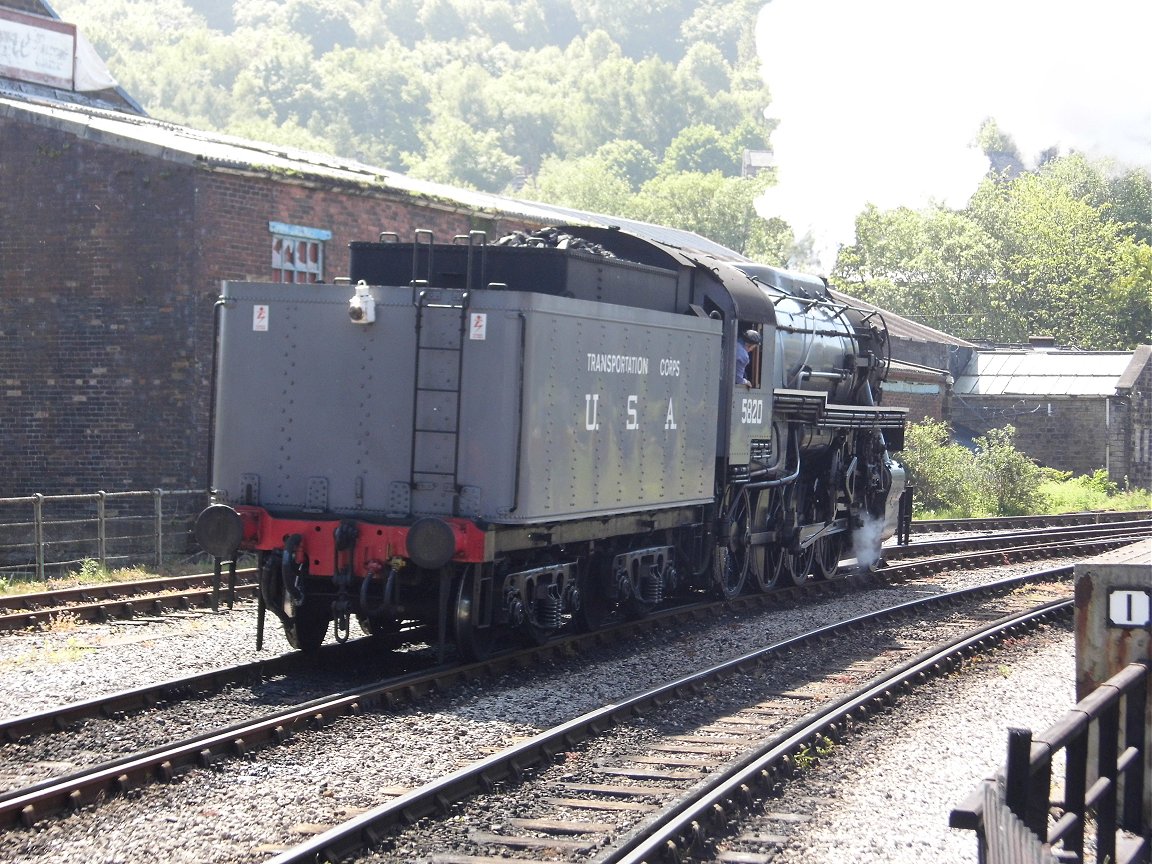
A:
<point x="1137" y="528"/>
<point x="683" y="826"/>
<point x="369" y="828"/>
<point x="63" y="717"/>
<point x="126" y="600"/>
<point x="61" y="597"/>
<point x="104" y="781"/>
<point x="1010" y="555"/>
<point x="122" y="609"/>
<point x="996" y="523"/>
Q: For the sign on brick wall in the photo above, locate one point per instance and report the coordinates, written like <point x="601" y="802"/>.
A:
<point x="36" y="49"/>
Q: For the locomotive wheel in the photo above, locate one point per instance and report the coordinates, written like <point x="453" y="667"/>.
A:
<point x="474" y="639"/>
<point x="734" y="556"/>
<point x="768" y="561"/>
<point x="307" y="629"/>
<point x="826" y="556"/>
<point x="768" y="575"/>
<point x="730" y="577"/>
<point x="797" y="566"/>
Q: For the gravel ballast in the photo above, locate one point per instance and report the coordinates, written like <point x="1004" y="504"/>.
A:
<point x="230" y="813"/>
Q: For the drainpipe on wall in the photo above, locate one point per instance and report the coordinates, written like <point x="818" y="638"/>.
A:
<point x="1107" y="437"/>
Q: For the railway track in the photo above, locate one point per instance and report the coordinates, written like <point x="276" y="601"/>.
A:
<point x="157" y="597"/>
<point x="222" y="745"/>
<point x="160" y="596"/>
<point x="928" y="559"/>
<point x="121" y="600"/>
<point x="118" y="776"/>
<point x="571" y="791"/>
<point x="1009" y="523"/>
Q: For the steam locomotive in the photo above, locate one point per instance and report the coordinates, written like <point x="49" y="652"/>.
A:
<point x="542" y="432"/>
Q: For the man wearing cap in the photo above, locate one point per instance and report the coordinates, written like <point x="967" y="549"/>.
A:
<point x="749" y="339"/>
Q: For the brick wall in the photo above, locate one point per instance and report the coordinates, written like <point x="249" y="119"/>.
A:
<point x="98" y="328"/>
<point x="110" y="262"/>
<point x="924" y="392"/>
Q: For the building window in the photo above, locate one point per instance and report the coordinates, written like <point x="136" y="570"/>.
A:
<point x="297" y="252"/>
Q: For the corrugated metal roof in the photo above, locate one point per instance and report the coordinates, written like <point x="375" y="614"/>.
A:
<point x="1042" y="373"/>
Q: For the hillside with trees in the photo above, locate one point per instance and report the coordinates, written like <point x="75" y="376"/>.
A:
<point x="639" y="109"/>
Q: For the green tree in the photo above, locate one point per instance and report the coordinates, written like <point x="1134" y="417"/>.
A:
<point x="1058" y="257"/>
<point x="629" y="160"/>
<point x="940" y="470"/>
<point x="934" y="265"/>
<point x="721" y="25"/>
<point x="278" y="79"/>
<point x="456" y="153"/>
<point x="642" y="27"/>
<point x="714" y="206"/>
<point x="1002" y="152"/>
<point x="371" y="104"/>
<point x="1008" y="481"/>
<point x="1035" y="254"/>
<point x="475" y="92"/>
<point x="588" y="183"/>
<point x="700" y="149"/>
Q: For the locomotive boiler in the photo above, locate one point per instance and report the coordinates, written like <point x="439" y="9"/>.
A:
<point x="512" y="438"/>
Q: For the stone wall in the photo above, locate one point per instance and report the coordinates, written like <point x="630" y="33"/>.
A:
<point x="1081" y="434"/>
<point x="1064" y="433"/>
<point x="1132" y="444"/>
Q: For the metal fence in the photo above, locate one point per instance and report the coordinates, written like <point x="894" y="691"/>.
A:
<point x="1104" y="740"/>
<point x="46" y="535"/>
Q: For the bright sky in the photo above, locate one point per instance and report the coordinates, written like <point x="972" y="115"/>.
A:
<point x="880" y="100"/>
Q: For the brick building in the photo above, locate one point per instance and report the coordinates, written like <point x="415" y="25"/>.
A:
<point x="118" y="232"/>
<point x="1076" y="411"/>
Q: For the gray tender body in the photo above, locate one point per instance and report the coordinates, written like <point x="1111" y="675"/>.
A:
<point x="507" y="406"/>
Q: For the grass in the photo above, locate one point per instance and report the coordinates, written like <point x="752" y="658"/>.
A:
<point x="55" y="649"/>
<point x="1066" y="494"/>
<point x="90" y="572"/>
<point x="1060" y="492"/>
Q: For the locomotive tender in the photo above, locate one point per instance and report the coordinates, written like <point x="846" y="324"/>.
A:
<point x="540" y="433"/>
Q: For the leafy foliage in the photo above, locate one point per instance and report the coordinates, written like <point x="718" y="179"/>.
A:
<point x="1066" y="494"/>
<point x="1007" y="479"/>
<point x="1039" y="252"/>
<point x="939" y="469"/>
<point x="633" y="108"/>
<point x="996" y="479"/>
<point x="384" y="79"/>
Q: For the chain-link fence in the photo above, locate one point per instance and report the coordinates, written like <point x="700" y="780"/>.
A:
<point x="49" y="535"/>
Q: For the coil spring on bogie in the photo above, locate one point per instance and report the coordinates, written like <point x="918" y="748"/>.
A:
<point x="652" y="586"/>
<point x="548" y="609"/>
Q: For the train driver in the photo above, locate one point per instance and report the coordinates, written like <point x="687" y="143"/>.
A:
<point x="749" y="341"/>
